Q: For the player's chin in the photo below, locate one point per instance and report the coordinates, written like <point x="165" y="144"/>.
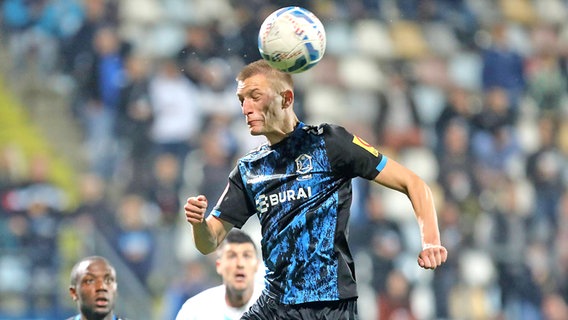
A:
<point x="102" y="310"/>
<point x="240" y="283"/>
<point x="255" y="131"/>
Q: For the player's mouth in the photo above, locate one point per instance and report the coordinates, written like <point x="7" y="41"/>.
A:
<point x="253" y="121"/>
<point x="101" y="302"/>
<point x="240" y="277"/>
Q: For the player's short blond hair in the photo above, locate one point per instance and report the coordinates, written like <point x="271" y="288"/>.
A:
<point x="263" y="67"/>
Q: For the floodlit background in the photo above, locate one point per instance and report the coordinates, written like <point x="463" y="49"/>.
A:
<point x="113" y="112"/>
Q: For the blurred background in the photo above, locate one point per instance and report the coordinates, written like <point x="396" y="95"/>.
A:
<point x="113" y="112"/>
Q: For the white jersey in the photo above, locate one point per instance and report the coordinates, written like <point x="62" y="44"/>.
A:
<point x="210" y="305"/>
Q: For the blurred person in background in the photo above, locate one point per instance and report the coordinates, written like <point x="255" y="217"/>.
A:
<point x="458" y="106"/>
<point x="458" y="178"/>
<point x="133" y="123"/>
<point x="94" y="204"/>
<point x="494" y="140"/>
<point x="163" y="194"/>
<point x="544" y="168"/>
<point x="394" y="301"/>
<point x="381" y="237"/>
<point x="237" y="264"/>
<point x="202" y="42"/>
<point x="100" y="111"/>
<point x="503" y="66"/>
<point x="194" y="278"/>
<point x="94" y="289"/>
<point x="35" y="208"/>
<point x="509" y="246"/>
<point x="398" y="124"/>
<point x="218" y="150"/>
<point x="135" y="240"/>
<point x="78" y="54"/>
<point x="546" y="84"/>
<point x="175" y="103"/>
<point x="451" y="220"/>
<point x="164" y="188"/>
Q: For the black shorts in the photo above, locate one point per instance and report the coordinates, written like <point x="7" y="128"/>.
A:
<point x="266" y="308"/>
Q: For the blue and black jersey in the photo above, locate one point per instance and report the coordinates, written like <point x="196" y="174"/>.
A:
<point x="300" y="188"/>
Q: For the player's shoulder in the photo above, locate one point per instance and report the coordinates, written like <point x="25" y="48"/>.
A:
<point x="324" y="129"/>
<point x="328" y="131"/>
<point x="255" y="152"/>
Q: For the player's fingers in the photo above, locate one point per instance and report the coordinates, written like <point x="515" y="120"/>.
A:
<point x="425" y="263"/>
<point x="437" y="258"/>
<point x="193" y="217"/>
<point x="428" y="262"/>
<point x="195" y="208"/>
<point x="440" y="254"/>
<point x="199" y="202"/>
<point x="443" y="255"/>
<point x="430" y="258"/>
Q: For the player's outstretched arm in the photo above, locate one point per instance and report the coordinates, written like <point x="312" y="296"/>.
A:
<point x="207" y="233"/>
<point x="400" y="178"/>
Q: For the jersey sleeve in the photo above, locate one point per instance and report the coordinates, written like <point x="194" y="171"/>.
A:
<point x="352" y="156"/>
<point x="234" y="206"/>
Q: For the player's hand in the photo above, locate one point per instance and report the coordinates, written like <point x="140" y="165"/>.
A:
<point x="432" y="256"/>
<point x="195" y="208"/>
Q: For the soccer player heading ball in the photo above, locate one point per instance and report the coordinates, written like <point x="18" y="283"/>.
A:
<point x="299" y="185"/>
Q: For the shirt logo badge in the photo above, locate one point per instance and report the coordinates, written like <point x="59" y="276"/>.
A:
<point x="303" y="166"/>
<point x="365" y="145"/>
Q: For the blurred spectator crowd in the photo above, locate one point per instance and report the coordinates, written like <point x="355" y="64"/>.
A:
<point x="472" y="95"/>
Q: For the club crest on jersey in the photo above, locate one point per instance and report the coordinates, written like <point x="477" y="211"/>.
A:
<point x="365" y="145"/>
<point x="303" y="166"/>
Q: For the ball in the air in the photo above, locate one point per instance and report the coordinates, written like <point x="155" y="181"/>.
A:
<point x="292" y="39"/>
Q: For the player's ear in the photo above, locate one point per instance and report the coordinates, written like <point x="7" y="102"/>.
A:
<point x="73" y="293"/>
<point x="218" y="266"/>
<point x="287" y="98"/>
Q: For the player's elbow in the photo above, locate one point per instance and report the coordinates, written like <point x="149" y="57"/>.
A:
<point x="417" y="185"/>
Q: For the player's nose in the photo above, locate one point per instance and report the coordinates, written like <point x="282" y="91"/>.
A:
<point x="101" y="285"/>
<point x="240" y="262"/>
<point x="247" y="107"/>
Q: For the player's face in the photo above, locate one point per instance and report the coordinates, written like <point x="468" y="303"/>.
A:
<point x="261" y="105"/>
<point x="237" y="265"/>
<point x="96" y="288"/>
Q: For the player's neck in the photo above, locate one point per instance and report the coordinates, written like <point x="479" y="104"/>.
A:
<point x="237" y="299"/>
<point x="287" y="128"/>
<point x="109" y="316"/>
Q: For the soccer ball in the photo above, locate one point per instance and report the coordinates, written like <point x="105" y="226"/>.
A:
<point x="292" y="39"/>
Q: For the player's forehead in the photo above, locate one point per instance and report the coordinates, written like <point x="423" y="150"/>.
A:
<point x="256" y="82"/>
<point x="238" y="247"/>
<point x="95" y="267"/>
